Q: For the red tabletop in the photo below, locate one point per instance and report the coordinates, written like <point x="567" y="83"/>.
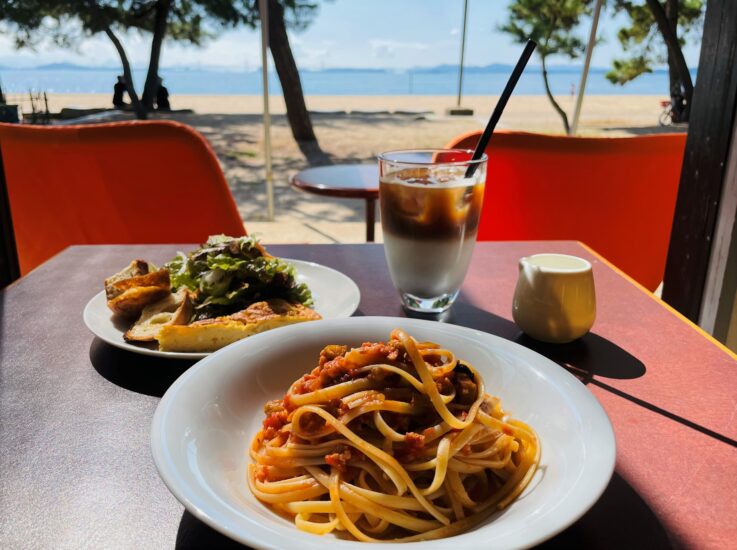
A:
<point x="351" y="181"/>
<point x="75" y="465"/>
<point x="355" y="181"/>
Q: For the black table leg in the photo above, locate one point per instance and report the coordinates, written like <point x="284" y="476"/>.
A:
<point x="370" y="219"/>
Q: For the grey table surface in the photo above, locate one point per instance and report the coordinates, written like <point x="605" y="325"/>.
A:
<point x="75" y="413"/>
<point x="75" y="461"/>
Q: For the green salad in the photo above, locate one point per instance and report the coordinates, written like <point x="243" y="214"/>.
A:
<point x="228" y="274"/>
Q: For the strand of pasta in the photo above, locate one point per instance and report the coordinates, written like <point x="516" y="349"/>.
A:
<point x="334" y="491"/>
<point x="367" y="506"/>
<point x="332" y="392"/>
<point x="431" y="389"/>
<point x="484" y="453"/>
<point x="441" y="467"/>
<point x="385" y="459"/>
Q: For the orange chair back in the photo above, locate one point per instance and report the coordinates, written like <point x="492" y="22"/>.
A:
<point x="616" y="195"/>
<point x="117" y="183"/>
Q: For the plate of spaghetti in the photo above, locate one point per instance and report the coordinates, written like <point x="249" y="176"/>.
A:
<point x="358" y="432"/>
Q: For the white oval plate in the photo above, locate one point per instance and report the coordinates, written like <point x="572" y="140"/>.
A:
<point x="204" y="424"/>
<point x="335" y="295"/>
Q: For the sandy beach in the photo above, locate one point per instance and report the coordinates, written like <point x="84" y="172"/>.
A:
<point x="353" y="129"/>
<point x="608" y="113"/>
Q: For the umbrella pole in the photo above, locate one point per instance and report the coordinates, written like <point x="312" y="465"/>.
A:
<point x="458" y="110"/>
<point x="463" y="50"/>
<point x="587" y="62"/>
<point x="264" y="15"/>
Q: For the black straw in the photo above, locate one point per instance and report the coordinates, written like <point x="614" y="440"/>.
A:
<point x="501" y="104"/>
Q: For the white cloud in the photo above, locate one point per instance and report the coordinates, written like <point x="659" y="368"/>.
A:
<point x="316" y="54"/>
<point x="391" y="49"/>
<point x="235" y="49"/>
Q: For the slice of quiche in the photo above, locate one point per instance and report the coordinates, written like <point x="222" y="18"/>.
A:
<point x="213" y="334"/>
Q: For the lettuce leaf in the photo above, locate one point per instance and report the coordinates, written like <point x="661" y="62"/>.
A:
<point x="228" y="274"/>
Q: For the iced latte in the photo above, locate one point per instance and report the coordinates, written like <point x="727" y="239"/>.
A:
<point x="430" y="215"/>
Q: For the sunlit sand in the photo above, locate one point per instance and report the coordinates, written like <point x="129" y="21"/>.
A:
<point x="353" y="129"/>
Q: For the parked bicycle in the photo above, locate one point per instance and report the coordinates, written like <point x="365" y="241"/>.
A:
<point x="666" y="117"/>
<point x="672" y="110"/>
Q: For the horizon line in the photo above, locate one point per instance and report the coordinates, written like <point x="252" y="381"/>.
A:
<point x="492" y="67"/>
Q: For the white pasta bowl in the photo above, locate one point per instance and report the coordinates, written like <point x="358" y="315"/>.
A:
<point x="203" y="426"/>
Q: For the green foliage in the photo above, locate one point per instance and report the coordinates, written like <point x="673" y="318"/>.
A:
<point x="641" y="39"/>
<point x="628" y="69"/>
<point x="24" y="18"/>
<point x="63" y="22"/>
<point x="67" y="22"/>
<point x="550" y="23"/>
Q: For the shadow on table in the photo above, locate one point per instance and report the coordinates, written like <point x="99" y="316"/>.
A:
<point x="620" y="519"/>
<point x="194" y="534"/>
<point x="590" y="358"/>
<point x="586" y="357"/>
<point x="131" y="371"/>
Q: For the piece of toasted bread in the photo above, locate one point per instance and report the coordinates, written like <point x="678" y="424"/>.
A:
<point x="132" y="289"/>
<point x="135" y="269"/>
<point x="213" y="334"/>
<point x="174" y="309"/>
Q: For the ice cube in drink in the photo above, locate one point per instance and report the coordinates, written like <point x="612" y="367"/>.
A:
<point x="430" y="219"/>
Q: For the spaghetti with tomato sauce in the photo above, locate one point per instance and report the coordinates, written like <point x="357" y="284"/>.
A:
<point x="390" y="441"/>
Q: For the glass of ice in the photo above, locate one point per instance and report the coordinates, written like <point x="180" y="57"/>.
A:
<point x="430" y="209"/>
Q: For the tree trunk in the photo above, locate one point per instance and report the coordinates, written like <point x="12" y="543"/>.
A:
<point x="557" y="107"/>
<point x="671" y="12"/>
<point x="2" y="96"/>
<point x="139" y="109"/>
<point x="674" y="52"/>
<point x="151" y="87"/>
<point x="286" y="68"/>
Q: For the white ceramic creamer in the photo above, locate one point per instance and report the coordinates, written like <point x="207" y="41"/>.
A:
<point x="554" y="300"/>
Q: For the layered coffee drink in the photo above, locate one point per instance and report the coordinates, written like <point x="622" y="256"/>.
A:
<point x="430" y="217"/>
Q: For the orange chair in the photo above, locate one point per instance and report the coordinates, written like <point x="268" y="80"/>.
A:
<point x="117" y="183"/>
<point x="617" y="195"/>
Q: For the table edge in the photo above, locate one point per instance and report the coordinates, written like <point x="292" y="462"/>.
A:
<point x="368" y="194"/>
<point x="659" y="301"/>
<point x="583" y="245"/>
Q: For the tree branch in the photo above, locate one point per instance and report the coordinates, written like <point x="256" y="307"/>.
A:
<point x="104" y="25"/>
<point x="556" y="106"/>
<point x="151" y="86"/>
<point x="674" y="49"/>
<point x="127" y="74"/>
<point x="286" y="69"/>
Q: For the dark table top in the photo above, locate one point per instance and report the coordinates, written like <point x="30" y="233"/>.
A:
<point x="75" y="463"/>
<point x="354" y="181"/>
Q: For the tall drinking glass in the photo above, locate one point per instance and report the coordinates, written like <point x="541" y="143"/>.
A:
<point x="430" y="210"/>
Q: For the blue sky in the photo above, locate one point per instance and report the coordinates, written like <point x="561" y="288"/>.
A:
<point x="395" y="34"/>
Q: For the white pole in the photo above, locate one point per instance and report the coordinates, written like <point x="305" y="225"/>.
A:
<point x="463" y="49"/>
<point x="264" y="15"/>
<point x="586" y="63"/>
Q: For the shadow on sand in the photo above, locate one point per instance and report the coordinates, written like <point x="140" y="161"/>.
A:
<point x="648" y="130"/>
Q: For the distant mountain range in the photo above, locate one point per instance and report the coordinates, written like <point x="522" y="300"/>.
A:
<point x="70" y="67"/>
<point x="58" y="67"/>
<point x="438" y="69"/>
